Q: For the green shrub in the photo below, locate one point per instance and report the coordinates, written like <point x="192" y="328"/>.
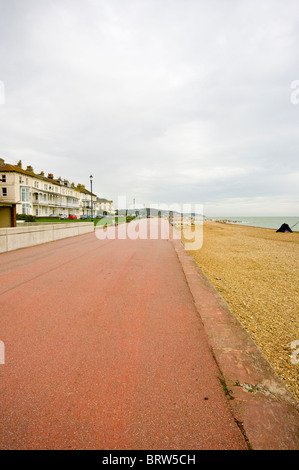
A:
<point x="27" y="218"/>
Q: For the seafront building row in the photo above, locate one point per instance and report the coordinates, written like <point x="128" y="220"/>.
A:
<point x="26" y="192"/>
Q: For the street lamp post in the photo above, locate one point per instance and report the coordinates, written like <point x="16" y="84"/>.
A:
<point x="91" y="178"/>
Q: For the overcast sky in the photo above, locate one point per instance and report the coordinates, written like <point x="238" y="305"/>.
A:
<point x="165" y="101"/>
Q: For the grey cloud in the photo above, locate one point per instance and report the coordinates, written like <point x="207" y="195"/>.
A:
<point x="161" y="100"/>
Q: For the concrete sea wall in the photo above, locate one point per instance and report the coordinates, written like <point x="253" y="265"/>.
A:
<point x="22" y="237"/>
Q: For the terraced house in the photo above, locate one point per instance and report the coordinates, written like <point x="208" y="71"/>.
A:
<point x="25" y="192"/>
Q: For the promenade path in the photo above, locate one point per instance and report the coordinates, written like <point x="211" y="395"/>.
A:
<point x="104" y="349"/>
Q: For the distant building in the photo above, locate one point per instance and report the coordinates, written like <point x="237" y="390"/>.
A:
<point x="25" y="192"/>
<point x="103" y="205"/>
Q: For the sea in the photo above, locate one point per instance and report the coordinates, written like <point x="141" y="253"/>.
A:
<point x="263" y="222"/>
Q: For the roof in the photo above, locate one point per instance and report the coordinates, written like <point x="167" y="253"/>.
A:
<point x="103" y="200"/>
<point x="85" y="191"/>
<point x="16" y="169"/>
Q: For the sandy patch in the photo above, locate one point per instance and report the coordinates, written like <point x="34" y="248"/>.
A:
<point x="256" y="272"/>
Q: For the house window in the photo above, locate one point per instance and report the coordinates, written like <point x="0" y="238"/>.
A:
<point x="3" y="178"/>
<point x="36" y="184"/>
<point x="20" y="179"/>
<point x="25" y="194"/>
<point x="4" y="192"/>
<point x="27" y="182"/>
<point x="26" y="209"/>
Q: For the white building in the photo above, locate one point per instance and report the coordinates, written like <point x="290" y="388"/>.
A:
<point x="103" y="205"/>
<point x="42" y="196"/>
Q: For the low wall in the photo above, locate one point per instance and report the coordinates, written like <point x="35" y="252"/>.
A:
<point x="22" y="237"/>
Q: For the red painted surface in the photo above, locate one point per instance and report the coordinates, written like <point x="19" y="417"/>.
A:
<point x="269" y="414"/>
<point x="105" y="350"/>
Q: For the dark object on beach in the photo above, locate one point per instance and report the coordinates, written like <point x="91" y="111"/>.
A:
<point x="284" y="228"/>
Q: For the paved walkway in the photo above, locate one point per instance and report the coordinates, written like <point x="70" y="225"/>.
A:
<point x="105" y="350"/>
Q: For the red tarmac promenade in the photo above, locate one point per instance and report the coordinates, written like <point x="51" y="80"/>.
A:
<point x="104" y="349"/>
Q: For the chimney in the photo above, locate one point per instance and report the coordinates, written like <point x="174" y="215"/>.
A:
<point x="19" y="164"/>
<point x="42" y="173"/>
<point x="29" y="168"/>
<point x="50" y="175"/>
<point x="2" y="162"/>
